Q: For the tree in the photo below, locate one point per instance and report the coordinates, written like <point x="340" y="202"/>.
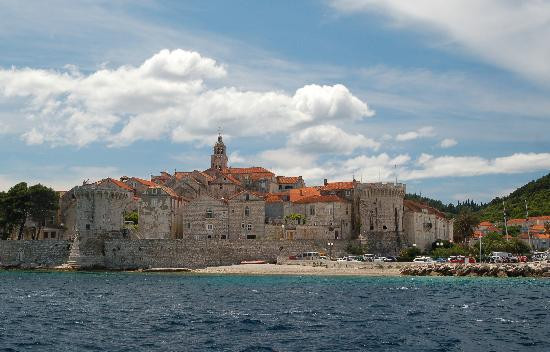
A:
<point x="132" y="216"/>
<point x="5" y="226"/>
<point x="43" y="202"/>
<point x="16" y="206"/>
<point x="464" y="225"/>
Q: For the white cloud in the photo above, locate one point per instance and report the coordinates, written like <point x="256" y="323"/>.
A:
<point x="60" y="178"/>
<point x="509" y="34"/>
<point x="427" y="131"/>
<point x="329" y="139"/>
<point x="236" y="158"/>
<point x="428" y="166"/>
<point x="448" y="142"/>
<point x="166" y="96"/>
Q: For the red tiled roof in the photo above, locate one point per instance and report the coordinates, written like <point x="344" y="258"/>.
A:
<point x="284" y="180"/>
<point x="304" y="192"/>
<point x="118" y="183"/>
<point x="319" y="199"/>
<point x="259" y="195"/>
<point x="248" y="170"/>
<point x="337" y="186"/>
<point x="144" y="182"/>
<point x="515" y="221"/>
<point x="485" y="223"/>
<point x="544" y="218"/>
<point x="231" y="178"/>
<point x="166" y="189"/>
<point x="417" y="207"/>
<point x="180" y="174"/>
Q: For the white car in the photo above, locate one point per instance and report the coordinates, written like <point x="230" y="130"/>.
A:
<point x="423" y="260"/>
<point x="379" y="259"/>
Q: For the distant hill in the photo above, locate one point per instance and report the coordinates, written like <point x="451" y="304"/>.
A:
<point x="449" y="209"/>
<point x="537" y="194"/>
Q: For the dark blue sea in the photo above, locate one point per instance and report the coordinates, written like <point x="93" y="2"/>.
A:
<point x="178" y="312"/>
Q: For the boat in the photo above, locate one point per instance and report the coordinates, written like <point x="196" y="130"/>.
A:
<point x="253" y="262"/>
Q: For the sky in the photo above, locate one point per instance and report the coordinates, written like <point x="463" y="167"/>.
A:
<point x="450" y="97"/>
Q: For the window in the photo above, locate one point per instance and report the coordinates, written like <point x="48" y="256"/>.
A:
<point x="87" y="226"/>
<point x="242" y="225"/>
<point x="45" y="234"/>
<point x="246" y="211"/>
<point x="209" y="213"/>
<point x="330" y="211"/>
<point x="250" y="237"/>
<point x="247" y="197"/>
<point x="249" y="227"/>
<point x="209" y="227"/>
<point x="312" y="210"/>
<point x="221" y="186"/>
<point x="188" y="225"/>
<point x="348" y="193"/>
<point x="52" y="235"/>
<point x="223" y="237"/>
<point x="280" y="186"/>
<point x="385" y="227"/>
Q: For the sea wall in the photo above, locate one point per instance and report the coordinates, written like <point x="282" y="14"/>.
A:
<point x="479" y="269"/>
<point x="136" y="254"/>
<point x="47" y="253"/>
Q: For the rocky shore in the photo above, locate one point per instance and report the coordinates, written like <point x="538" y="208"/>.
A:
<point x="480" y="269"/>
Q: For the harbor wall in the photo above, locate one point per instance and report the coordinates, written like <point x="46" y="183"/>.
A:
<point x="48" y="253"/>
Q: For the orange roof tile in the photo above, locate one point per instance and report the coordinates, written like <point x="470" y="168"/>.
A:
<point x="118" y="183"/>
<point x="299" y="193"/>
<point x="515" y="221"/>
<point x="417" y="207"/>
<point x="319" y="199"/>
<point x="485" y="223"/>
<point x="288" y="180"/>
<point x="248" y="170"/>
<point x="144" y="182"/>
<point x="337" y="186"/>
<point x="544" y="218"/>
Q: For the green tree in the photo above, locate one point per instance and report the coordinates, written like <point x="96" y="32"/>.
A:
<point x="133" y="216"/>
<point x="43" y="202"/>
<point x="408" y="254"/>
<point x="464" y="225"/>
<point x="5" y="226"/>
<point x="16" y="207"/>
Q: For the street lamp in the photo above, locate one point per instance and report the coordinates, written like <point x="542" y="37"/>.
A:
<point x="330" y="244"/>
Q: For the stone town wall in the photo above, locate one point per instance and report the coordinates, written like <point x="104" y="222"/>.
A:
<point x="26" y="253"/>
<point x="121" y="254"/>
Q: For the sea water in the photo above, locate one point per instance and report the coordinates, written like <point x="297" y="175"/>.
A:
<point x="58" y="311"/>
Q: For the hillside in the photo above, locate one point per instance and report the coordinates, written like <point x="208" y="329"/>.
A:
<point x="537" y="194"/>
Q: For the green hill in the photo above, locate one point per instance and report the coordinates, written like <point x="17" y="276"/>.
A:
<point x="536" y="193"/>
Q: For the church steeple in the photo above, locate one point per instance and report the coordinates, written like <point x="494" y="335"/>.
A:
<point x="218" y="160"/>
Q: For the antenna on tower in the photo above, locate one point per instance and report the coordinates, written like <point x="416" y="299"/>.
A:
<point x="395" y="172"/>
<point x="219" y="131"/>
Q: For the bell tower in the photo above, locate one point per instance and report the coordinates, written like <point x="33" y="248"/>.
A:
<point x="218" y="160"/>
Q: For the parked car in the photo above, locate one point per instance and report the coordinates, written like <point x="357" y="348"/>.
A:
<point x="379" y="259"/>
<point x="423" y="260"/>
<point x="440" y="260"/>
<point x="390" y="259"/>
<point x="368" y="257"/>
<point x="460" y="259"/>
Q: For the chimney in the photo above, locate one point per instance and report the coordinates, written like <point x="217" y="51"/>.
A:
<point x="325" y="182"/>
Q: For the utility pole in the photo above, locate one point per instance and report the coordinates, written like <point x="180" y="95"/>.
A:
<point x="527" y="224"/>
<point x="505" y="222"/>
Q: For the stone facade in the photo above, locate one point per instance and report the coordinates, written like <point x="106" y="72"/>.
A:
<point x="98" y="208"/>
<point x="160" y="213"/>
<point x="246" y="216"/>
<point x="34" y="253"/>
<point x="423" y="225"/>
<point x="380" y="216"/>
<point x="329" y="217"/>
<point x="205" y="218"/>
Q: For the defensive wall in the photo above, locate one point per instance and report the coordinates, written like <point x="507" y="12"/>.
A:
<point x="48" y="253"/>
<point x="125" y="254"/>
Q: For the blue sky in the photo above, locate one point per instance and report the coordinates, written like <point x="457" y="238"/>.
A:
<point x="438" y="94"/>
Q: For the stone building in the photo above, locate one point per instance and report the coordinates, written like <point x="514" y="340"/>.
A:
<point x="285" y="183"/>
<point x="424" y="224"/>
<point x="246" y="216"/>
<point x="160" y="213"/>
<point x="224" y="185"/>
<point x="325" y="217"/>
<point x="379" y="209"/>
<point x="205" y="217"/>
<point x="96" y="208"/>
